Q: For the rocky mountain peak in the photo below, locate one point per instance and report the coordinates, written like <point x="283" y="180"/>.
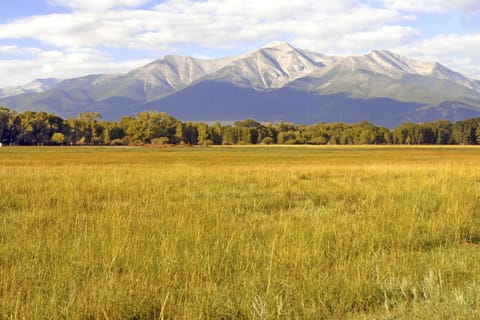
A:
<point x="36" y="86"/>
<point x="279" y="45"/>
<point x="277" y="74"/>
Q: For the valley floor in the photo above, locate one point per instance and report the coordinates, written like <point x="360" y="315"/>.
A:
<point x="240" y="232"/>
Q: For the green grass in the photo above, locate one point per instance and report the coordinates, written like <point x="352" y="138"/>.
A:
<point x="242" y="232"/>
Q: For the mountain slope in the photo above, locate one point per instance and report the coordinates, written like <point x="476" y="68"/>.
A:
<point x="171" y="74"/>
<point x="271" y="67"/>
<point x="276" y="82"/>
<point x="384" y="74"/>
<point x="36" y="86"/>
<point x="227" y="101"/>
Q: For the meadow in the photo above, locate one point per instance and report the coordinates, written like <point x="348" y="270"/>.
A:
<point x="240" y="233"/>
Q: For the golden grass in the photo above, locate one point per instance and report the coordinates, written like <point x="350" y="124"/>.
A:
<point x="254" y="233"/>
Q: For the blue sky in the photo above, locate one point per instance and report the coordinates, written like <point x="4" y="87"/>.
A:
<point x="72" y="38"/>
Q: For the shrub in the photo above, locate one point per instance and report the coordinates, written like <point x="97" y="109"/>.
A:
<point x="160" y="141"/>
<point x="267" y="140"/>
<point x="117" y="142"/>
<point x="58" y="138"/>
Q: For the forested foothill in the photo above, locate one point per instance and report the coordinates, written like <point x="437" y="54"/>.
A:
<point x="159" y="128"/>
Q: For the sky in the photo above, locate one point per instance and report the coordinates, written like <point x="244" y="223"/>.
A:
<point x="72" y="38"/>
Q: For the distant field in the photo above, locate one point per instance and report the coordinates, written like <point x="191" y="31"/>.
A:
<point x="240" y="233"/>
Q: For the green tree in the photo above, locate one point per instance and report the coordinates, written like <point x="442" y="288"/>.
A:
<point x="89" y="128"/>
<point x="442" y="131"/>
<point x="202" y="138"/>
<point x="4" y="125"/>
<point x="180" y="133"/>
<point x="228" y="136"/>
<point x="190" y="133"/>
<point x="34" y="128"/>
<point x="465" y="131"/>
<point x="281" y="138"/>
<point x="217" y="133"/>
<point x="256" y="130"/>
<point x="150" y="125"/>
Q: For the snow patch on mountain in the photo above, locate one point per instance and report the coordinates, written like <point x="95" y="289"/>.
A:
<point x="273" y="66"/>
<point x="176" y="72"/>
<point x="391" y="65"/>
<point x="386" y="63"/>
<point x="441" y="72"/>
<point x="36" y="86"/>
<point x="104" y="78"/>
<point x="274" y="44"/>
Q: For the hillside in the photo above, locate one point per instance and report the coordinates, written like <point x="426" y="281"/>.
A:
<point x="276" y="82"/>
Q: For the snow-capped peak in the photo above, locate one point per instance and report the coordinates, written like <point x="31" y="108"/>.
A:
<point x="276" y="44"/>
<point x="275" y="65"/>
<point x="271" y="67"/>
<point x="40" y="85"/>
<point x="386" y="63"/>
<point x="36" y="86"/>
<point x="391" y="64"/>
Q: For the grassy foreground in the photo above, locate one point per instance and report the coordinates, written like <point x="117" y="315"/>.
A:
<point x="240" y="233"/>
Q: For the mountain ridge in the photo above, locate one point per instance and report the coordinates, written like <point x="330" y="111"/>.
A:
<point x="273" y="69"/>
<point x="36" y="86"/>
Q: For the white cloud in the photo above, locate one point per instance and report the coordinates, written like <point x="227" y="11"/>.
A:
<point x="458" y="52"/>
<point x="16" y="50"/>
<point x="225" y="23"/>
<point x="213" y="24"/>
<point x="383" y="38"/>
<point x="61" y="64"/>
<point x="339" y="27"/>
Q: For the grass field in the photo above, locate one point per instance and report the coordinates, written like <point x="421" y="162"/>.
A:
<point x="240" y="233"/>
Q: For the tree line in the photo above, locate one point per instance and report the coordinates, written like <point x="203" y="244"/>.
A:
<point x="159" y="128"/>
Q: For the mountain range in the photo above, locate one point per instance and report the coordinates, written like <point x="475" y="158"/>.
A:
<point x="276" y="82"/>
